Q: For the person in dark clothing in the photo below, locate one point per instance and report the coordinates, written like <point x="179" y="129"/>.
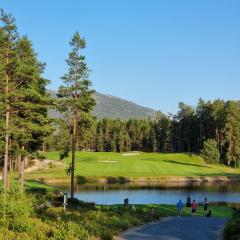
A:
<point x="188" y="204"/>
<point x="205" y="206"/>
<point x="126" y="201"/>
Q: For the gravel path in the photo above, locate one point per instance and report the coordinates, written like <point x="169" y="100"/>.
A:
<point x="174" y="228"/>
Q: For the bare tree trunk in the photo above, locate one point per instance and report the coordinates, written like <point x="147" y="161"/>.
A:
<point x="229" y="158"/>
<point x="18" y="162"/>
<point x="21" y="171"/>
<point x="6" y="155"/>
<point x="10" y="159"/>
<point x="7" y="117"/>
<point x="21" y="177"/>
<point x="74" y="133"/>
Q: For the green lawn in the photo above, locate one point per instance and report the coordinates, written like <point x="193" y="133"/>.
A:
<point x="165" y="210"/>
<point x="147" y="165"/>
<point x="37" y="186"/>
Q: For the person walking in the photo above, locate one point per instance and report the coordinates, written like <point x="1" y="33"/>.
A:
<point x="179" y="207"/>
<point x="205" y="206"/>
<point x="188" y="204"/>
<point x="194" y="208"/>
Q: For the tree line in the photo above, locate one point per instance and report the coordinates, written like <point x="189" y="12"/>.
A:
<point x="186" y="131"/>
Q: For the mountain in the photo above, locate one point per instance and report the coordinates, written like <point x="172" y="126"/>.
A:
<point x="108" y="106"/>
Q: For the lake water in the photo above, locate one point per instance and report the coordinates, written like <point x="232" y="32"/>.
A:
<point x="156" y="194"/>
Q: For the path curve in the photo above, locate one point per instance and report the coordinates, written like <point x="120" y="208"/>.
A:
<point x="174" y="228"/>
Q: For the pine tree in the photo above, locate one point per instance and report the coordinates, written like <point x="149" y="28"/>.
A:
<point x="120" y="142"/>
<point x="232" y="133"/>
<point x="8" y="39"/>
<point x="75" y="94"/>
<point x="210" y="151"/>
<point x="100" y="138"/>
<point x="31" y="103"/>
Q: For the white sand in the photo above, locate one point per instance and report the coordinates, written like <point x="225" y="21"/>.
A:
<point x="131" y="154"/>
<point x="107" y="161"/>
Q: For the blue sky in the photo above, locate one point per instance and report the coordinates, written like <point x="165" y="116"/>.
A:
<point x="155" y="53"/>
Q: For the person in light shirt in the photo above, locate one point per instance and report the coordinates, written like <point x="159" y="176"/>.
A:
<point x="179" y="207"/>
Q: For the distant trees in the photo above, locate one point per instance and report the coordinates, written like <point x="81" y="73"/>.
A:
<point x="187" y="131"/>
<point x="75" y="94"/>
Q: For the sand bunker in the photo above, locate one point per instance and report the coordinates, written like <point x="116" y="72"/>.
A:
<point x="131" y="154"/>
<point x="106" y="161"/>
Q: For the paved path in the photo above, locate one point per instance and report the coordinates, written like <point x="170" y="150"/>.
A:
<point x="174" y="228"/>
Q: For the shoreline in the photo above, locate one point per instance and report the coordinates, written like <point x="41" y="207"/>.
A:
<point x="141" y="181"/>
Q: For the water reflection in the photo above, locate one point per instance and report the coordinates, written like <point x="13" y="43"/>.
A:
<point x="156" y="193"/>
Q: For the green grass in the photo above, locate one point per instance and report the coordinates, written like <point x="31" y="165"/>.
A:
<point x="148" y="165"/>
<point x="37" y="186"/>
<point x="166" y="210"/>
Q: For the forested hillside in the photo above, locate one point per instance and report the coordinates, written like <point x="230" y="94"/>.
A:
<point x="108" y="106"/>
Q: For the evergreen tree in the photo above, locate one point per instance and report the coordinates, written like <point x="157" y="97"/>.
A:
<point x="31" y="122"/>
<point x="120" y="142"/>
<point x="232" y="133"/>
<point x="210" y="151"/>
<point x="23" y="96"/>
<point x="218" y="114"/>
<point x="113" y="143"/>
<point x="75" y="93"/>
<point x="100" y="138"/>
<point x="8" y="39"/>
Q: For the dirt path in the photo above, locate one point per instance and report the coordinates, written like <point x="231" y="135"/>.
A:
<point x="45" y="164"/>
<point x="174" y="228"/>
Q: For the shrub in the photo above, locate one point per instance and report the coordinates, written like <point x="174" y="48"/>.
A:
<point x="14" y="205"/>
<point x="210" y="152"/>
<point x="232" y="229"/>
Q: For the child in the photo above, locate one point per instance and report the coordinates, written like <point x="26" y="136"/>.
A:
<point x="180" y="207"/>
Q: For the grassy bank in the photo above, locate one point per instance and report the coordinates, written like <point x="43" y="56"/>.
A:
<point x="40" y="220"/>
<point x="137" y="166"/>
<point x="40" y="215"/>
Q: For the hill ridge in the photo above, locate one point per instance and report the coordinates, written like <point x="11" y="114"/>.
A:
<point x="109" y="106"/>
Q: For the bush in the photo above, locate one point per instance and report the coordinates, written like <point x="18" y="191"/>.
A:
<point x="14" y="205"/>
<point x="232" y="229"/>
<point x="210" y="151"/>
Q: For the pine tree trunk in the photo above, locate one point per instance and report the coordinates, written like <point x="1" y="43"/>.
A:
<point x="229" y="153"/>
<point x="6" y="155"/>
<point x="10" y="159"/>
<point x="21" y="171"/>
<point x="7" y="117"/>
<point x="73" y="153"/>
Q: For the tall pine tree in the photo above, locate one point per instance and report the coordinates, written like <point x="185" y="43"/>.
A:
<point x="8" y="39"/>
<point x="75" y="93"/>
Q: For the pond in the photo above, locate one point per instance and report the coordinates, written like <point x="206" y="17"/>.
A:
<point x="156" y="194"/>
